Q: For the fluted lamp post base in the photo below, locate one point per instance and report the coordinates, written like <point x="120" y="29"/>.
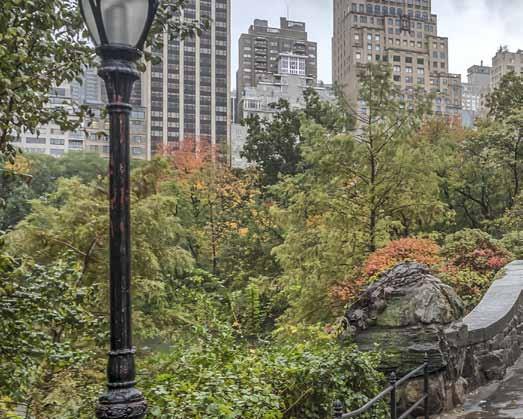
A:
<point x="122" y="403"/>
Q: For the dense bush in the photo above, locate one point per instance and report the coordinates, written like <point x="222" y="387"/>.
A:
<point x="225" y="379"/>
<point x="423" y="251"/>
<point x="475" y="250"/>
<point x="468" y="261"/>
<point x="470" y="285"/>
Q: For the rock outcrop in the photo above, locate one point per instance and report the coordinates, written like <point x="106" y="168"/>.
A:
<point x="405" y="313"/>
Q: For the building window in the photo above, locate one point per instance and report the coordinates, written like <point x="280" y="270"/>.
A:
<point x="34" y="140"/>
<point x="290" y="64"/>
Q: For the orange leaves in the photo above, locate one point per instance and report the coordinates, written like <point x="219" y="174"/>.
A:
<point x="410" y="249"/>
<point x="189" y="156"/>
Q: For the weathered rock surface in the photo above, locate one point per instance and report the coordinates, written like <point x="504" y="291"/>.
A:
<point x="407" y="295"/>
<point x="405" y="313"/>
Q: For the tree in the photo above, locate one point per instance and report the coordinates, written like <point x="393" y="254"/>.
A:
<point x="34" y="176"/>
<point x="356" y="192"/>
<point x="274" y="145"/>
<point x="387" y="153"/>
<point x="485" y="176"/>
<point x="49" y="329"/>
<point x="41" y="47"/>
<point x="75" y="218"/>
<point x="507" y="97"/>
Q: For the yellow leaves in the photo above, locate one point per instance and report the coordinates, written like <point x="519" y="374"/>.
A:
<point x="8" y="408"/>
<point x="199" y="185"/>
<point x="243" y="232"/>
<point x="20" y="167"/>
<point x="314" y="221"/>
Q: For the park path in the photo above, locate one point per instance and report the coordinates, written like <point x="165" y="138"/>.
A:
<point x="501" y="400"/>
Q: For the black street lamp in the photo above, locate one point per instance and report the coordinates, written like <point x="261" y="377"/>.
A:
<point x="118" y="29"/>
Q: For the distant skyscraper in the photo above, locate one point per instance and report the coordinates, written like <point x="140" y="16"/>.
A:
<point x="265" y="51"/>
<point x="187" y="94"/>
<point x="402" y="33"/>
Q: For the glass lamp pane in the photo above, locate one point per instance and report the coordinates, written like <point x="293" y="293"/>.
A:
<point x="124" y="20"/>
<point x="90" y="22"/>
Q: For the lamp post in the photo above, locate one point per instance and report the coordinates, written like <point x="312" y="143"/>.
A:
<point x="118" y="29"/>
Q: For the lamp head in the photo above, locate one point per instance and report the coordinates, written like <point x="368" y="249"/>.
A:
<point x="119" y="23"/>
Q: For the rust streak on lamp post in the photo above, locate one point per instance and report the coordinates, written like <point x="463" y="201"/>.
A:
<point x="118" y="29"/>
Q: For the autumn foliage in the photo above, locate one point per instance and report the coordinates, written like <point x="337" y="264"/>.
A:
<point x="188" y="156"/>
<point x="409" y="249"/>
<point x="475" y="250"/>
<point x="468" y="261"/>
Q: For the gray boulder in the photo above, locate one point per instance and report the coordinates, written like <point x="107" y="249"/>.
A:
<point x="405" y="313"/>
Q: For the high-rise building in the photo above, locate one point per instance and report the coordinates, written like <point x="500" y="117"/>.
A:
<point x="401" y="33"/>
<point x="266" y="51"/>
<point x="474" y="92"/>
<point x="187" y="93"/>
<point x="50" y="138"/>
<point x="505" y="62"/>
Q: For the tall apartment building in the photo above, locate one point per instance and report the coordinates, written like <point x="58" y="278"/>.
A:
<point x="92" y="136"/>
<point x="402" y="33"/>
<point x="266" y="51"/>
<point x="474" y="92"/>
<point x="49" y="138"/>
<point x="505" y="62"/>
<point x="188" y="93"/>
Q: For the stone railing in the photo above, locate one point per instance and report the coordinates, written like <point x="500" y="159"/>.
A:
<point x="488" y="340"/>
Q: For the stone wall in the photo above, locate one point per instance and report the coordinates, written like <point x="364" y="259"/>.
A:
<point x="487" y="341"/>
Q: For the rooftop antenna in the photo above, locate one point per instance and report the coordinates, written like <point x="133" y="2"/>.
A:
<point x="288" y="10"/>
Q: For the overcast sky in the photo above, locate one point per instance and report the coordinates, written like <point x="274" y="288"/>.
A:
<point x="475" y="28"/>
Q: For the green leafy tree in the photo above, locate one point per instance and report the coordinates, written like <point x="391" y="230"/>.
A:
<point x="35" y="175"/>
<point x="507" y="97"/>
<point x="75" y="218"/>
<point x="274" y="145"/>
<point x="358" y="191"/>
<point x="485" y="175"/>
<point x="386" y="130"/>
<point x="49" y="328"/>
